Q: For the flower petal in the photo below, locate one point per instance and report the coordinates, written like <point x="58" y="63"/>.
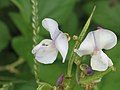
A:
<point x="51" y="26"/>
<point x="110" y="63"/>
<point x="105" y="39"/>
<point x="36" y="48"/>
<point x="45" y="52"/>
<point x="100" y="61"/>
<point x="61" y="44"/>
<point x="87" y="46"/>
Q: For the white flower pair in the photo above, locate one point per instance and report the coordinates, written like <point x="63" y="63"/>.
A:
<point x="46" y="51"/>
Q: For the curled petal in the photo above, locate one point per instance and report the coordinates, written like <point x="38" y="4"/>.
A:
<point x="51" y="26"/>
<point x="105" y="39"/>
<point x="87" y="46"/>
<point x="45" y="52"/>
<point x="36" y="48"/>
<point x="100" y="61"/>
<point x="61" y="44"/>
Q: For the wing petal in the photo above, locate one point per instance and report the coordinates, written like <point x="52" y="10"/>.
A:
<point x="61" y="43"/>
<point x="100" y="61"/>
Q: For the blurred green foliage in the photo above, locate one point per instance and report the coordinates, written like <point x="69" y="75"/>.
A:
<point x="16" y="38"/>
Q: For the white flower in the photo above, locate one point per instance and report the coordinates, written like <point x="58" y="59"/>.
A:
<point x="46" y="51"/>
<point x="93" y="44"/>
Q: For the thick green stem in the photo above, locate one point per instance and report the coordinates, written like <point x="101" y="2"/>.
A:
<point x="81" y="36"/>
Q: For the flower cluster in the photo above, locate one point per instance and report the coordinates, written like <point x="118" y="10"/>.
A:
<point x="46" y="51"/>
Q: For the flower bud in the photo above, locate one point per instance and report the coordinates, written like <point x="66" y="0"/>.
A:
<point x="75" y="37"/>
<point x="86" y="69"/>
<point x="60" y="80"/>
<point x="89" y="71"/>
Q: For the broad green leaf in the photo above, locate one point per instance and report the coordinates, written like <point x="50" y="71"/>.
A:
<point x="56" y="9"/>
<point x="70" y="26"/>
<point x="4" y="3"/>
<point x="4" y="36"/>
<point x="50" y="73"/>
<point x="111" y="81"/>
<point x="26" y="86"/>
<point x="106" y="16"/>
<point x="23" y="47"/>
<point x="25" y="9"/>
<point x="19" y="21"/>
<point x="114" y="52"/>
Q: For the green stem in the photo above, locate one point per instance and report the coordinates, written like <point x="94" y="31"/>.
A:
<point x="12" y="67"/>
<point x="36" y="30"/>
<point x="81" y="36"/>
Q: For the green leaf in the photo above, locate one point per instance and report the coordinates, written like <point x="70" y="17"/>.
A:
<point x="19" y="21"/>
<point x="23" y="47"/>
<point x="114" y="53"/>
<point x="56" y="10"/>
<point x="70" y="25"/>
<point x="105" y="16"/>
<point x="25" y="9"/>
<point x="50" y="73"/>
<point x="111" y="81"/>
<point x="4" y="3"/>
<point x="26" y="86"/>
<point x="4" y="36"/>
